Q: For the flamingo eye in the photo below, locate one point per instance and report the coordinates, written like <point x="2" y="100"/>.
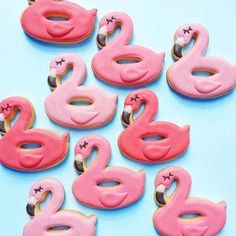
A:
<point x="188" y="30"/>
<point x="110" y="20"/>
<point x="135" y="98"/>
<point x="60" y="62"/>
<point x="38" y="190"/>
<point x="168" y="176"/>
<point x="6" y="108"/>
<point x="83" y="145"/>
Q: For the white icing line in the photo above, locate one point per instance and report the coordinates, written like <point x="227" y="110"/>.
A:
<point x="103" y="30"/>
<point x="53" y="72"/>
<point x="160" y="188"/>
<point x="2" y="118"/>
<point x="32" y="200"/>
<point x="128" y="109"/>
<point x="79" y="157"/>
<point x="180" y="41"/>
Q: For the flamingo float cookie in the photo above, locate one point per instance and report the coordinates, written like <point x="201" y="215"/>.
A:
<point x="107" y="64"/>
<point x="58" y="104"/>
<point x="58" y="21"/>
<point x="14" y="153"/>
<point x="87" y="187"/>
<point x="52" y="221"/>
<point x="208" y="218"/>
<point x="181" y="77"/>
<point x="132" y="141"/>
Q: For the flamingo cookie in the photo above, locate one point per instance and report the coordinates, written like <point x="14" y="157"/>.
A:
<point x="87" y="186"/>
<point x="107" y="64"/>
<point x="181" y="77"/>
<point x="173" y="140"/>
<point x="14" y="154"/>
<point x="208" y="220"/>
<point x="52" y="221"/>
<point x="58" y="21"/>
<point x="58" y="104"/>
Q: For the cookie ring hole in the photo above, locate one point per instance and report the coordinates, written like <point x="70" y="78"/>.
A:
<point x="58" y="228"/>
<point x="55" y="17"/>
<point x="131" y="60"/>
<point x="153" y="138"/>
<point x="30" y="146"/>
<point x="80" y="102"/>
<point x="108" y="184"/>
<point x="203" y="73"/>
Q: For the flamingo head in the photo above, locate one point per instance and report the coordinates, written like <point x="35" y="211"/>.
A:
<point x="132" y="103"/>
<point x="39" y="192"/>
<point x="163" y="181"/>
<point x="183" y="36"/>
<point x="107" y="26"/>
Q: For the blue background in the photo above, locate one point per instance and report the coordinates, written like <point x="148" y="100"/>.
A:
<point x="211" y="156"/>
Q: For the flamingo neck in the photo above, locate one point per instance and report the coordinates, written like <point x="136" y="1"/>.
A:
<point x="126" y="32"/>
<point x="201" y="42"/>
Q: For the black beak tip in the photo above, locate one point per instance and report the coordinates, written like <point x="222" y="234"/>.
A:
<point x="79" y="167"/>
<point x="125" y="118"/>
<point x="160" y="199"/>
<point x="30" y="208"/>
<point x="101" y="40"/>
<point x="2" y="128"/>
<point x="52" y="82"/>
<point x="177" y="51"/>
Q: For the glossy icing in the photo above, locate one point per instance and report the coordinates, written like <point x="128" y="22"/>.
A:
<point x="77" y="26"/>
<point x="57" y="104"/>
<point x="222" y="78"/>
<point x="86" y="188"/>
<point x="148" y="64"/>
<point x="168" y="219"/>
<point x="43" y="220"/>
<point x="173" y="140"/>
<point x="13" y="154"/>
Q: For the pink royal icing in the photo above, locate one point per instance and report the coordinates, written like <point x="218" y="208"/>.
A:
<point x="13" y="153"/>
<point x="147" y="66"/>
<point x="87" y="186"/>
<point x="169" y="219"/>
<point x="37" y="21"/>
<point x="52" y="221"/>
<point x="222" y="78"/>
<point x="58" y="104"/>
<point x="173" y="140"/>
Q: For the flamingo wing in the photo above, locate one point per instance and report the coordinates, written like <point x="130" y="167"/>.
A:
<point x="30" y="160"/>
<point x="58" y="29"/>
<point x="205" y="86"/>
<point x="83" y="117"/>
<point x="112" y="199"/>
<point x="195" y="230"/>
<point x="156" y="152"/>
<point x="132" y="75"/>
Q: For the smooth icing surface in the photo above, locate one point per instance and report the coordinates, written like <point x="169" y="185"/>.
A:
<point x="173" y="140"/>
<point x="13" y="154"/>
<point x="86" y="188"/>
<point x="147" y="66"/>
<point x="43" y="220"/>
<point x="169" y="218"/>
<point x="57" y="104"/>
<point x="38" y="23"/>
<point x="222" y="78"/>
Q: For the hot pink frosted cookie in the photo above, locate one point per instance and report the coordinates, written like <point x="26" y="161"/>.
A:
<point x="13" y="153"/>
<point x="87" y="186"/>
<point x="107" y="63"/>
<point x="181" y="77"/>
<point x="40" y="21"/>
<point x="173" y="140"/>
<point x="50" y="219"/>
<point x="169" y="218"/>
<point x="58" y="105"/>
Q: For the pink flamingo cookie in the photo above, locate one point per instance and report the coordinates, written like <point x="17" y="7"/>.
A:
<point x="58" y="104"/>
<point x="107" y="64"/>
<point x="208" y="218"/>
<point x="181" y="77"/>
<point x="58" y="21"/>
<point x="87" y="186"/>
<point x="13" y="145"/>
<point x="172" y="140"/>
<point x="52" y="221"/>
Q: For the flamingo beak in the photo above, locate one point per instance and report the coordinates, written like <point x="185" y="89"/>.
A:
<point x="30" y="207"/>
<point x="126" y="115"/>
<point x="160" y="195"/>
<point x="102" y="37"/>
<point x="78" y="164"/>
<point x="2" y="124"/>
<point x="177" y="50"/>
<point x="52" y="79"/>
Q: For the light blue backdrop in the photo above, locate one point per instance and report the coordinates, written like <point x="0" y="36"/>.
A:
<point x="211" y="156"/>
